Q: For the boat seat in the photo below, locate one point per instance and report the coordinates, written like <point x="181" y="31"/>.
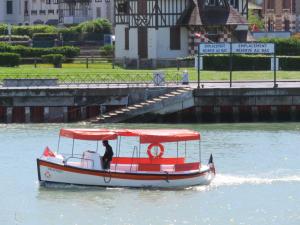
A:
<point x="149" y="167"/>
<point x="129" y="160"/>
<point x="187" y="167"/>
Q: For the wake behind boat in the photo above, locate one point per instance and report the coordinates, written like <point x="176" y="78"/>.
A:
<point x="156" y="170"/>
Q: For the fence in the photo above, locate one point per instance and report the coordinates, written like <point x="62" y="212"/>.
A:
<point x="91" y="79"/>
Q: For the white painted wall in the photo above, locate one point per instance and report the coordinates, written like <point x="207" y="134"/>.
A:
<point x="13" y="18"/>
<point x="120" y="51"/>
<point x="163" y="50"/>
<point x="158" y="43"/>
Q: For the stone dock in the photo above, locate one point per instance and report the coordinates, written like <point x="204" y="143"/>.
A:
<point x="210" y="103"/>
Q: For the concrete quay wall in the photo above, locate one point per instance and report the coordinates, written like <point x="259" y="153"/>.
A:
<point x="66" y="104"/>
<point x="240" y="105"/>
<point x="56" y="104"/>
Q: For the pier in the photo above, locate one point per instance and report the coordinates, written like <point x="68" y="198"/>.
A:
<point x="213" y="102"/>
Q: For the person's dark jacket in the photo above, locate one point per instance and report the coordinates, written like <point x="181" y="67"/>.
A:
<point x="108" y="153"/>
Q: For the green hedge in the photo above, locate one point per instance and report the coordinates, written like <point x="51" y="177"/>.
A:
<point x="249" y="63"/>
<point x="67" y="51"/>
<point x="92" y="30"/>
<point x="239" y="62"/>
<point x="9" y="59"/>
<point x="107" y="50"/>
<point x="44" y="36"/>
<point x="31" y="30"/>
<point x="14" y="38"/>
<point x="55" y="59"/>
<point x="284" y="46"/>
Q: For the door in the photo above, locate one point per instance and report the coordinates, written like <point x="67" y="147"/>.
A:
<point x="143" y="42"/>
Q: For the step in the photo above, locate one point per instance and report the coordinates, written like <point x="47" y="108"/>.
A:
<point x="182" y="91"/>
<point x="157" y="99"/>
<point x="131" y="107"/>
<point x="119" y="112"/>
<point x="138" y="106"/>
<point x="125" y="110"/>
<point x="112" y="114"/>
<point x="169" y="95"/>
<point x="163" y="97"/>
<point x="149" y="101"/>
<point x="106" y="116"/>
<point x="175" y="93"/>
<point x="144" y="103"/>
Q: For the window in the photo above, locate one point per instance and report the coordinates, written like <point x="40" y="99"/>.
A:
<point x="123" y="7"/>
<point x="175" y="38"/>
<point x="48" y="2"/>
<point x="126" y="38"/>
<point x="26" y="12"/>
<point x="214" y="3"/>
<point x="286" y="4"/>
<point x="286" y="25"/>
<point x="271" y="4"/>
<point x="9" y="7"/>
<point x="98" y="11"/>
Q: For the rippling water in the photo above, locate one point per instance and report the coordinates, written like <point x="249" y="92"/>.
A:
<point x="257" y="182"/>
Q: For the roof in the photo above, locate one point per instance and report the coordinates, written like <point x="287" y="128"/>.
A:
<point x="145" y="135"/>
<point x="161" y="135"/>
<point x="197" y="15"/>
<point x="88" y="134"/>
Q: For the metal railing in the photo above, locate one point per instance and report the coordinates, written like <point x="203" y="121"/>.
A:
<point x="89" y="79"/>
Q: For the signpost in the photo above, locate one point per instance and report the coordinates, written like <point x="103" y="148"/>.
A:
<point x="236" y="48"/>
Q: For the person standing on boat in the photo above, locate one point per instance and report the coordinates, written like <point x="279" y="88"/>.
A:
<point x="107" y="157"/>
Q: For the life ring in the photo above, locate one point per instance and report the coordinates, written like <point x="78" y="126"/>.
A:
<point x="161" y="151"/>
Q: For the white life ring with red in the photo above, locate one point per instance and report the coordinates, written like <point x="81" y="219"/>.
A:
<point x="161" y="150"/>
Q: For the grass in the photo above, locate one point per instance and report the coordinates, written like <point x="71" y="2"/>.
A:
<point x="104" y="72"/>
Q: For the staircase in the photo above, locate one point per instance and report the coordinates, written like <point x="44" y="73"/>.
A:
<point x="180" y="99"/>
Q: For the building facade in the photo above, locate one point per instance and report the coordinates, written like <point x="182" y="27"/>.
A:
<point x="54" y="11"/>
<point x="168" y="29"/>
<point x="281" y="15"/>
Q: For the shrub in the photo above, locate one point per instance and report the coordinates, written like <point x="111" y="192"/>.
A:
<point x="289" y="63"/>
<point x="67" y="51"/>
<point x="9" y="59"/>
<point x="15" y="38"/>
<point x="44" y="36"/>
<point x="31" y="30"/>
<point x="3" y="29"/>
<point x="55" y="59"/>
<point x="285" y="46"/>
<point x="239" y="62"/>
<point x="107" y="50"/>
<point x="95" y="29"/>
<point x="70" y="34"/>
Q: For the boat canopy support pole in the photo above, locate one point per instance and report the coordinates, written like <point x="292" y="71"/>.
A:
<point x="97" y="146"/>
<point x="185" y="149"/>
<point x="73" y="147"/>
<point x="200" y="151"/>
<point x="58" y="144"/>
<point x="177" y="149"/>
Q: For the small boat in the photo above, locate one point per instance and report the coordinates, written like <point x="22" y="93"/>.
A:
<point x="161" y="158"/>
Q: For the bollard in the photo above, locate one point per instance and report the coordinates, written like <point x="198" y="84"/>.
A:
<point x="87" y="62"/>
<point x="35" y="62"/>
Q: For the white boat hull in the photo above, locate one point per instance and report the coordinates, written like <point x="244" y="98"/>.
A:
<point x="59" y="173"/>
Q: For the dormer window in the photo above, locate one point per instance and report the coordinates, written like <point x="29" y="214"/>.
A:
<point x="214" y="3"/>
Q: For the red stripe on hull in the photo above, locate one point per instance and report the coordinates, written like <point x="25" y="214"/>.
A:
<point x="129" y="176"/>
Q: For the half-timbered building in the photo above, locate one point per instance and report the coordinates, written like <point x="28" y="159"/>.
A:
<point x="167" y="29"/>
<point x="281" y="15"/>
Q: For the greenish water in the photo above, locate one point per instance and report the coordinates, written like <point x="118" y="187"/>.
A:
<point x="258" y="181"/>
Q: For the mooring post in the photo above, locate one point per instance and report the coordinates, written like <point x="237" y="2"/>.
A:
<point x="198" y="66"/>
